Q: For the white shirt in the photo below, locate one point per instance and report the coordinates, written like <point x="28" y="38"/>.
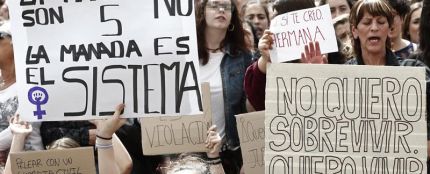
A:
<point x="211" y="72"/>
<point x="8" y="108"/>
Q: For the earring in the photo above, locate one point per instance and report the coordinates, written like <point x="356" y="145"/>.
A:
<point x="231" y="27"/>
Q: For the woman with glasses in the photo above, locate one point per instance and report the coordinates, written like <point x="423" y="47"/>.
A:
<point x="224" y="56"/>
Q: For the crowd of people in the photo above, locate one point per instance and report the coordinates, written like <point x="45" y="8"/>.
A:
<point x="234" y="42"/>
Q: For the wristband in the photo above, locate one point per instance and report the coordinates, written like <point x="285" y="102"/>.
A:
<point x="103" y="138"/>
<point x="103" y="146"/>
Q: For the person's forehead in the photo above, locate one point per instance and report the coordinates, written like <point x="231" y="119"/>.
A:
<point x="367" y="15"/>
<point x="254" y="9"/>
<point x="337" y="2"/>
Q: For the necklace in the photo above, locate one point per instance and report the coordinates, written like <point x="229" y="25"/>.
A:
<point x="214" y="50"/>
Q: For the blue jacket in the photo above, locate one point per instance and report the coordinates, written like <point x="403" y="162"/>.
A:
<point x="233" y="68"/>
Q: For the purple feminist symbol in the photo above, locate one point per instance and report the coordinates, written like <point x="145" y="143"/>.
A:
<point x="38" y="96"/>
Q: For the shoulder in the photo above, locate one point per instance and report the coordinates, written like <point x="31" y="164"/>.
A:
<point x="411" y="62"/>
<point x="352" y="61"/>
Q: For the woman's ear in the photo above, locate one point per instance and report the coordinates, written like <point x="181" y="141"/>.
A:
<point x="354" y="32"/>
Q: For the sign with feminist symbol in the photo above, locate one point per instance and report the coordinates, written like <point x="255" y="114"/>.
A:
<point x="76" y="60"/>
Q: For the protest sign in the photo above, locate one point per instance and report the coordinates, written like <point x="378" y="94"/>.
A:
<point x="250" y="127"/>
<point x="75" y="160"/>
<point x="345" y="119"/>
<point x="76" y="60"/>
<point x="170" y="135"/>
<point x="293" y="30"/>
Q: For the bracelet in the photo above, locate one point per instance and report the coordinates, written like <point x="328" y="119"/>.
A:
<point x="214" y="162"/>
<point x="98" y="136"/>
<point x="213" y="159"/>
<point x="104" y="146"/>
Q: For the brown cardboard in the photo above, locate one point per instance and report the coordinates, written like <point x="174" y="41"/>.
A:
<point x="73" y="161"/>
<point x="345" y="119"/>
<point x="250" y="127"/>
<point x="177" y="134"/>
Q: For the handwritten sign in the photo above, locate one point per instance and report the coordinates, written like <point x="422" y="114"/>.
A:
<point x="170" y="135"/>
<point x="345" y="119"/>
<point x="76" y="160"/>
<point x="250" y="127"/>
<point x="76" y="60"/>
<point x="293" y="30"/>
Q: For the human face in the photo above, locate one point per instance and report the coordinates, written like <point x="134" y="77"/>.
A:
<point x="372" y="31"/>
<point x="338" y="7"/>
<point x="256" y="15"/>
<point x="6" y="50"/>
<point x="342" y="31"/>
<point x="414" y="26"/>
<point x="396" y="29"/>
<point x="218" y="14"/>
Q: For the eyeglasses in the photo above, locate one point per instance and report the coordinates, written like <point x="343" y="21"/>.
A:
<point x="219" y="6"/>
<point x="4" y="35"/>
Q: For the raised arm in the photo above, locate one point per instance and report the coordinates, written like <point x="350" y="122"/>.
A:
<point x="113" y="158"/>
<point x="264" y="46"/>
<point x="213" y="143"/>
<point x="20" y="131"/>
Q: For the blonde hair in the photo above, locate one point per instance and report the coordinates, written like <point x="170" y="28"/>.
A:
<point x="189" y="162"/>
<point x="63" y="143"/>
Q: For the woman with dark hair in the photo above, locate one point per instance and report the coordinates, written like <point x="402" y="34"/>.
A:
<point x="424" y="34"/>
<point x="258" y="14"/>
<point x="371" y="22"/>
<point x="285" y="6"/>
<point x="224" y="56"/>
<point x="412" y="23"/>
<point x="401" y="47"/>
<point x="255" y="77"/>
<point x="338" y="7"/>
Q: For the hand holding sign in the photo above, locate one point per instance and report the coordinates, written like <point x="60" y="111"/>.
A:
<point x="213" y="142"/>
<point x="19" y="127"/>
<point x="264" y="46"/>
<point x="293" y="30"/>
<point x="107" y="128"/>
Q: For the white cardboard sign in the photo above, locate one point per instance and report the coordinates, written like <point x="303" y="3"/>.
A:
<point x="78" y="60"/>
<point x="293" y="30"/>
<point x="345" y="119"/>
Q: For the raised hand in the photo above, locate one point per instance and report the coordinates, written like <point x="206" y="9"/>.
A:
<point x="265" y="45"/>
<point x="19" y="127"/>
<point x="106" y="128"/>
<point x="313" y="55"/>
<point x="213" y="141"/>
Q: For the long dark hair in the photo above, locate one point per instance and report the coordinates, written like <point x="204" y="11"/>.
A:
<point x="407" y="22"/>
<point x="424" y="32"/>
<point x="235" y="36"/>
<point x="285" y="6"/>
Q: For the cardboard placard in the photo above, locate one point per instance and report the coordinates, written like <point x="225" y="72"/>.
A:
<point x="170" y="135"/>
<point x="74" y="160"/>
<point x="293" y="30"/>
<point x="250" y="127"/>
<point x="345" y="119"/>
<point x="76" y="60"/>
